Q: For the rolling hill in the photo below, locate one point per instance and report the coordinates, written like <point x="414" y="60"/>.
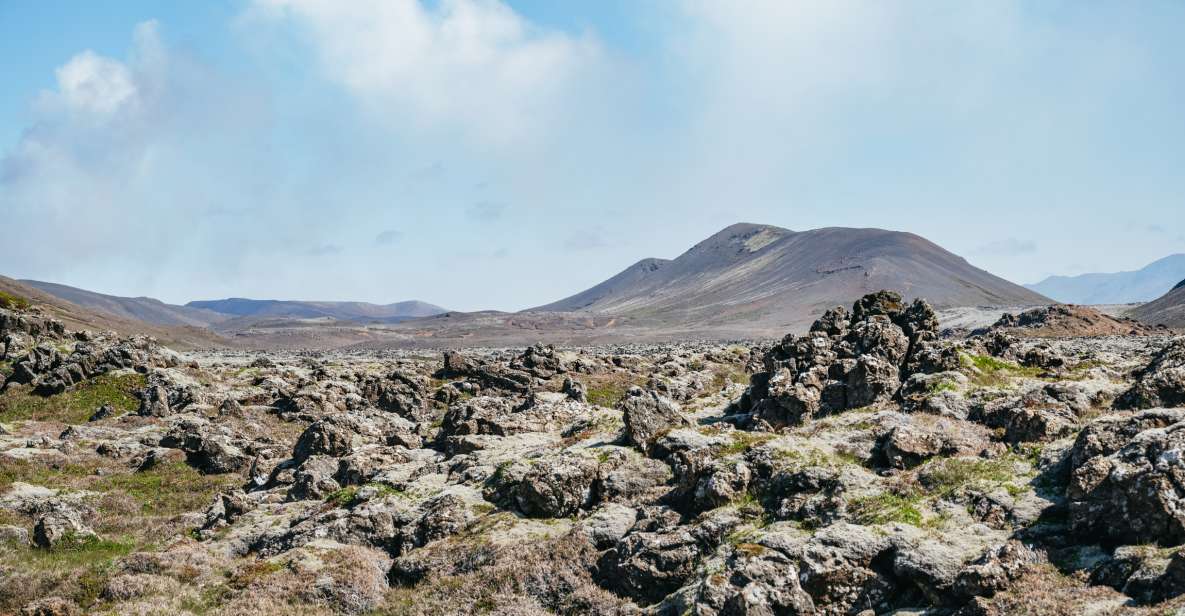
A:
<point x="78" y="317"/>
<point x="1142" y="285"/>
<point x="144" y="309"/>
<point x="768" y="275"/>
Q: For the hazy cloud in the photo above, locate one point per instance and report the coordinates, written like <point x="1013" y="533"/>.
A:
<point x="388" y="237"/>
<point x="1008" y="247"/>
<point x="486" y="211"/>
<point x="324" y="250"/>
<point x="590" y="239"/>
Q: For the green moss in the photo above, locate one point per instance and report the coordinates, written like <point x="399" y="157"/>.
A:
<point x="343" y="497"/>
<point x="8" y="301"/>
<point x="75" y="405"/>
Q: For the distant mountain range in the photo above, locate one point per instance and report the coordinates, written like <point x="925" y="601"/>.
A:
<point x="1166" y="310"/>
<point x="1142" y="285"/>
<point x="219" y="313"/>
<point x="766" y="274"/>
<point x="344" y="311"/>
<point x="747" y="281"/>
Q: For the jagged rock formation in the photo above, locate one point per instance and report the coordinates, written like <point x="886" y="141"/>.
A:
<point x="847" y="361"/>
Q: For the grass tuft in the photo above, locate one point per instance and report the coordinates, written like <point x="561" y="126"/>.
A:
<point x="8" y="301"/>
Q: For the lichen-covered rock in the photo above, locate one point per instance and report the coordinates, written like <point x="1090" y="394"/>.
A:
<point x="844" y="365"/>
<point x="1161" y="383"/>
<point x="61" y="523"/>
<point x="1129" y="495"/>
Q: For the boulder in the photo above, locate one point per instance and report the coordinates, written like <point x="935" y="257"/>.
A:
<point x="1131" y="494"/>
<point x="648" y="416"/>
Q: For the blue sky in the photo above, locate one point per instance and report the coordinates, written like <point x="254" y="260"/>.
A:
<point x="483" y="154"/>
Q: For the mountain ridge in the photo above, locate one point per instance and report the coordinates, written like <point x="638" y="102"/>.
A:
<point x="1169" y="309"/>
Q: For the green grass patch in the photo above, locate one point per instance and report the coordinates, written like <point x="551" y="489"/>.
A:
<point x="941" y="386"/>
<point x="885" y="508"/>
<point x="723" y="376"/>
<point x="82" y="564"/>
<point x="795" y="459"/>
<point x="945" y="477"/>
<point x="607" y="394"/>
<point x="988" y="371"/>
<point x="57" y="475"/>
<point x="254" y="572"/>
<point x="744" y="441"/>
<point x="168" y="489"/>
<point x="75" y="405"/>
<point x="348" y="496"/>
<point x="8" y="301"/>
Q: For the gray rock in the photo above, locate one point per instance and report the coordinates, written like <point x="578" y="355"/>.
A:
<point x="62" y="523"/>
<point x="1129" y="495"/>
<point x="648" y="416"/>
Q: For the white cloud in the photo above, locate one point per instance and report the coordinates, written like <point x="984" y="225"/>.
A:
<point x="90" y="82"/>
<point x="472" y="65"/>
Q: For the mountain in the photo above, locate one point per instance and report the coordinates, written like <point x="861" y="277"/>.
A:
<point x="1142" y="285"/>
<point x="79" y="317"/>
<point x="1167" y="310"/>
<point x="762" y="274"/>
<point x="344" y="311"/>
<point x="144" y="309"/>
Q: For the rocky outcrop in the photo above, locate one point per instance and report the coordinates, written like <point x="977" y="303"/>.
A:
<point x="846" y="361"/>
<point x="50" y="372"/>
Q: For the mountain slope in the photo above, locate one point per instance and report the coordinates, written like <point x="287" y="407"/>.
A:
<point x="1142" y="285"/>
<point x="765" y="274"/>
<point x="1167" y="310"/>
<point x="347" y="311"/>
<point x="144" y="309"/>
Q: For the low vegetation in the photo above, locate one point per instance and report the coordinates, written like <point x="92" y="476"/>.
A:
<point x="988" y="371"/>
<point x="8" y="301"/>
<point x="75" y="405"/>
